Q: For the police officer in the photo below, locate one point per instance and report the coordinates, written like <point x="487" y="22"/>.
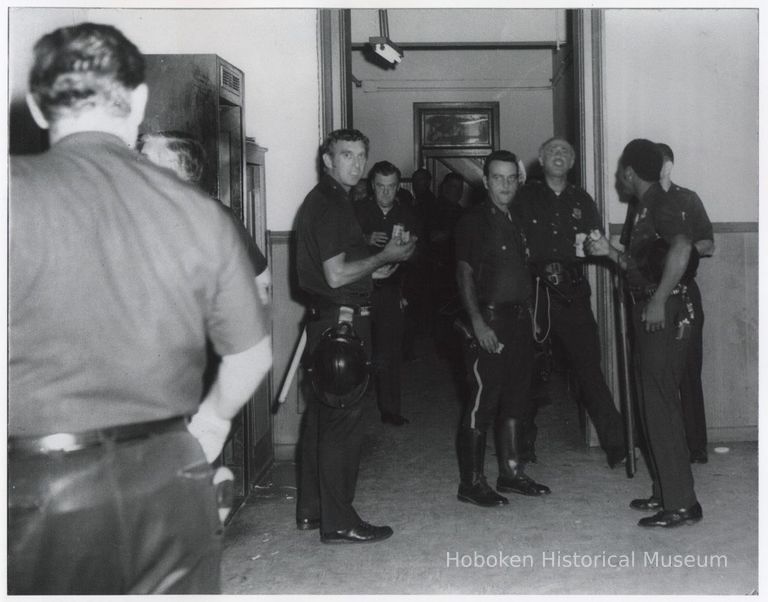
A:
<point x="379" y="217"/>
<point x="691" y="393"/>
<point x="119" y="274"/>
<point x="662" y="323"/>
<point x="335" y="269"/>
<point x="556" y="216"/>
<point x="495" y="290"/>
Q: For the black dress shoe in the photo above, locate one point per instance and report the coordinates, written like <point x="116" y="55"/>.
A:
<point x="615" y="456"/>
<point x="673" y="518"/>
<point x="307" y="524"/>
<point x="522" y="484"/>
<point x="699" y="456"/>
<point x="646" y="504"/>
<point x="480" y="493"/>
<point x="395" y="419"/>
<point x="362" y="533"/>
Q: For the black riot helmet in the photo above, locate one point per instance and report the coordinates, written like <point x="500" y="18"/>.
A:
<point x="653" y="267"/>
<point x="339" y="369"/>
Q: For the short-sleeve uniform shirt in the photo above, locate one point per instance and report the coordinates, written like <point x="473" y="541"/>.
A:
<point x="327" y="227"/>
<point x="492" y="243"/>
<point x="694" y="211"/>
<point x="550" y="221"/>
<point x="118" y="273"/>
<point x="657" y="215"/>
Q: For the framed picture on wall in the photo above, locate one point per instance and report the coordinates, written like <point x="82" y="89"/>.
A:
<point x="455" y="125"/>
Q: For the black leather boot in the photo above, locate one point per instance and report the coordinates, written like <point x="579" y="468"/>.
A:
<point x="512" y="477"/>
<point x="473" y="487"/>
<point x="528" y="441"/>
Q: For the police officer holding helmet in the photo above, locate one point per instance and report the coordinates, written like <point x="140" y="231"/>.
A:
<point x="336" y="269"/>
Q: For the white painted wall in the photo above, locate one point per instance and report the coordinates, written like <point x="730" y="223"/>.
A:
<point x="688" y="78"/>
<point x="276" y="49"/>
<point x="462" y="25"/>
<point x="519" y="80"/>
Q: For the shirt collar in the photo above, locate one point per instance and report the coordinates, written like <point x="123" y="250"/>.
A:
<point x="331" y="182"/>
<point x="93" y="137"/>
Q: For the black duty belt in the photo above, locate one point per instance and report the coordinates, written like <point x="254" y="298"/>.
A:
<point x="319" y="312"/>
<point x="641" y="294"/>
<point x="69" y="442"/>
<point x="505" y="308"/>
<point x="559" y="273"/>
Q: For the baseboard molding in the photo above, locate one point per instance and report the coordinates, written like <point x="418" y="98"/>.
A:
<point x="732" y="433"/>
<point x="285" y="452"/>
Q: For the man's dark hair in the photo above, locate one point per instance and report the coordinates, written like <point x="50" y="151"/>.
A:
<point x="452" y="175"/>
<point x="348" y="135"/>
<point x="188" y="150"/>
<point x="499" y="155"/>
<point x="383" y="168"/>
<point x="84" y="66"/>
<point x="422" y="171"/>
<point x="666" y="151"/>
<point x="644" y="157"/>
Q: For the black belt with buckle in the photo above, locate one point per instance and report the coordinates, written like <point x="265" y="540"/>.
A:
<point x="640" y="294"/>
<point x="491" y="310"/>
<point x="69" y="442"/>
<point x="319" y="312"/>
<point x="558" y="273"/>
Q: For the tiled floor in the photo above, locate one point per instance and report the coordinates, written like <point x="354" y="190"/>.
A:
<point x="581" y="539"/>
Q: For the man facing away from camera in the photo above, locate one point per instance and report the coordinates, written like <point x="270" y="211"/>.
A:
<point x="119" y="272"/>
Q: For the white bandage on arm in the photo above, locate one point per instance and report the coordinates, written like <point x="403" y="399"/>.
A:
<point x="210" y="430"/>
<point x="238" y="376"/>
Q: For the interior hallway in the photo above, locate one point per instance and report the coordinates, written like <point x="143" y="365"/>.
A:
<point x="408" y="479"/>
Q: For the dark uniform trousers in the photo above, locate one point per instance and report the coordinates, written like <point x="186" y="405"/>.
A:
<point x="500" y="382"/>
<point x="331" y="443"/>
<point x="659" y="363"/>
<point x="388" y="323"/>
<point x="691" y="394"/>
<point x="136" y="517"/>
<point x="575" y="327"/>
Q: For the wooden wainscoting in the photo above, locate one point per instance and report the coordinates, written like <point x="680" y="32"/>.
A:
<point x="729" y="289"/>
<point x="287" y="316"/>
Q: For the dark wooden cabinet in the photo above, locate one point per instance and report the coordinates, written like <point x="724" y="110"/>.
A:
<point x="202" y="95"/>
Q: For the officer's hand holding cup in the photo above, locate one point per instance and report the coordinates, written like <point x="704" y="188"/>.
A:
<point x="596" y="244"/>
<point x="399" y="248"/>
<point x="377" y="239"/>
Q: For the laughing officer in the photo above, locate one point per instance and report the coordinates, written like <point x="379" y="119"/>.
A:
<point x="555" y="216"/>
